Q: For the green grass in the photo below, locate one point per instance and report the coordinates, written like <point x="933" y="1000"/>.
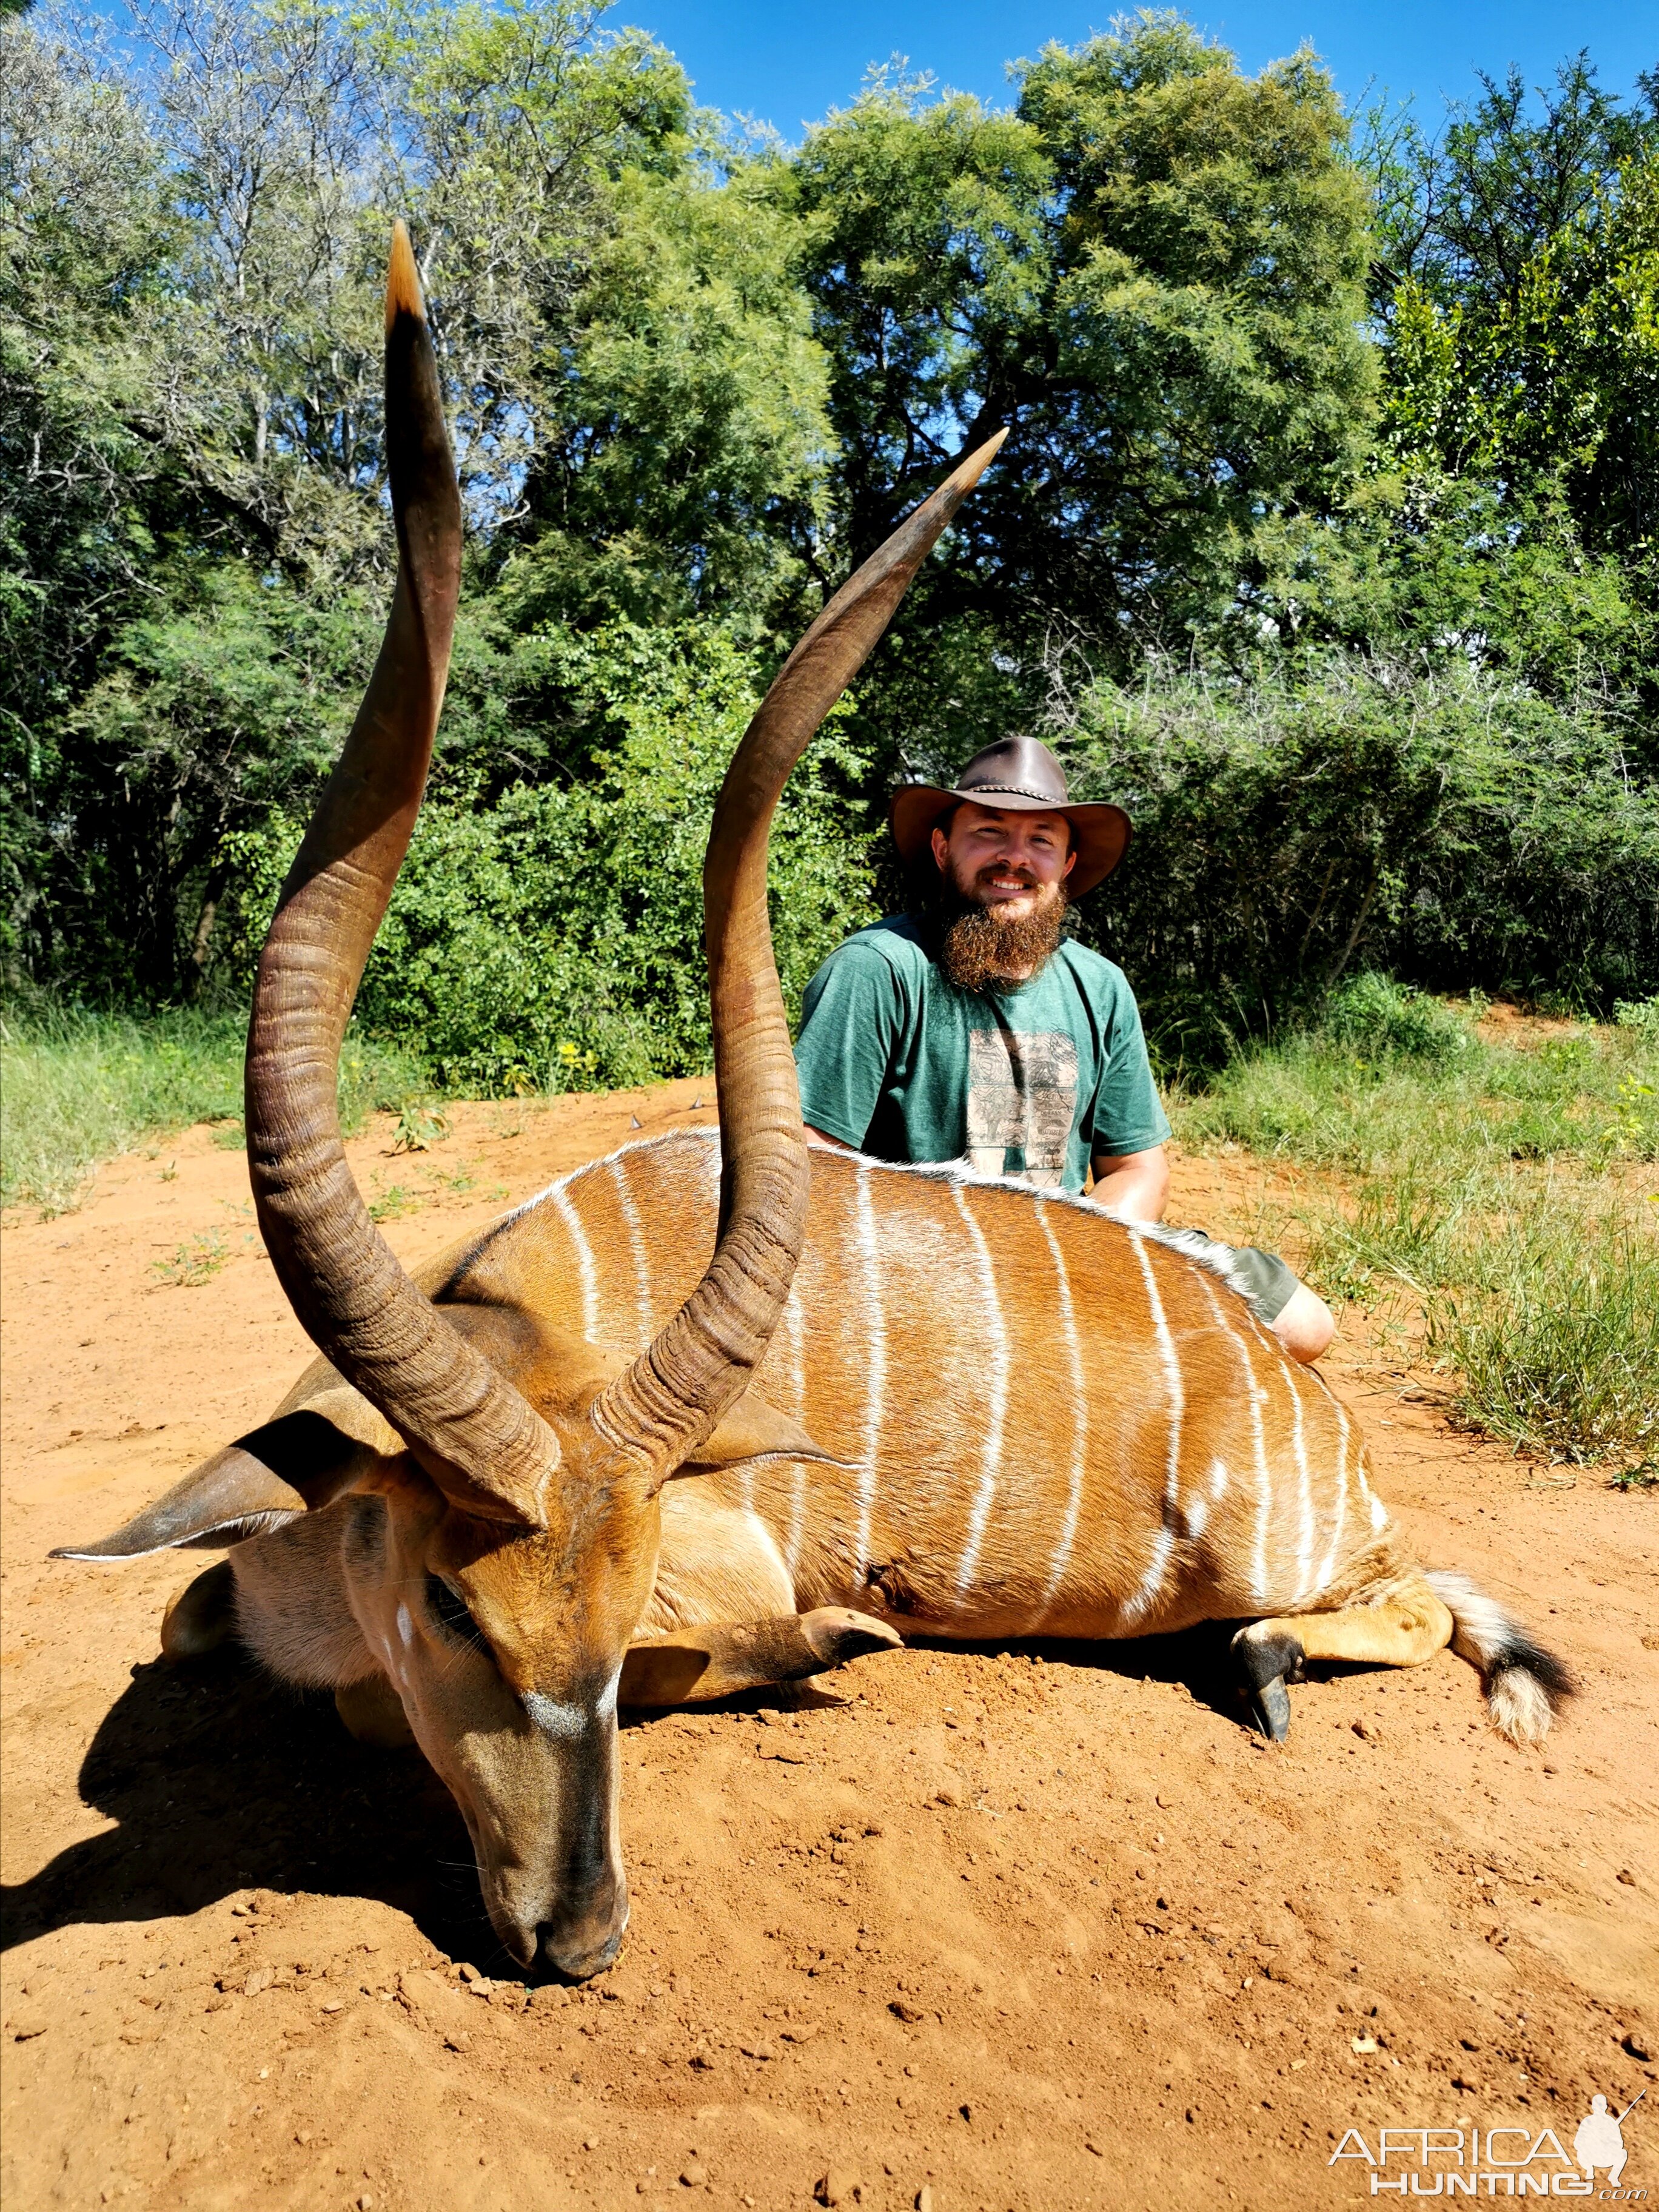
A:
<point x="77" y="1087"/>
<point x="194" y="1263"/>
<point x="1499" y="1200"/>
<point x="1500" y="1203"/>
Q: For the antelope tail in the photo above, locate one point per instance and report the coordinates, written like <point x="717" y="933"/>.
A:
<point x="1526" y="1686"/>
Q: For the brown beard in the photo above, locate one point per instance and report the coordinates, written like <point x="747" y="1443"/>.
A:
<point x="982" y="948"/>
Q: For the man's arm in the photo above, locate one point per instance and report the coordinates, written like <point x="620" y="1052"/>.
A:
<point x="819" y="1137"/>
<point x="1134" y="1185"/>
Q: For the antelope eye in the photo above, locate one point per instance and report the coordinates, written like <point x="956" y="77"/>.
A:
<point x="448" y="1609"/>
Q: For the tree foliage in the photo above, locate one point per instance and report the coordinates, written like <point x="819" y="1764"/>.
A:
<point x="1324" y="531"/>
<point x="1150" y="273"/>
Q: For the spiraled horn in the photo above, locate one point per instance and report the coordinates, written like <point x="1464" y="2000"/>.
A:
<point x="676" y="1392"/>
<point x="487" y="1449"/>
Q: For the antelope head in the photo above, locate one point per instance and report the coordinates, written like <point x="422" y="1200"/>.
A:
<point x="502" y="1480"/>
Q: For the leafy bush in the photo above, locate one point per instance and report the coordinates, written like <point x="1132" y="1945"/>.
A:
<point x="552" y="940"/>
<point x="1292" y="828"/>
<point x="1381" y="1016"/>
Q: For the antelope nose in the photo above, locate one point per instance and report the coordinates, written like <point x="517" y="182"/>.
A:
<point x="578" y="1960"/>
<point x="582" y="1944"/>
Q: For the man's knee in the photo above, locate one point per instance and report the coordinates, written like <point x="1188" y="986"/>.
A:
<point x="1304" y="1325"/>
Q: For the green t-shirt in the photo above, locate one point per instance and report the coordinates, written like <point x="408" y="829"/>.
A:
<point x="1036" y="1082"/>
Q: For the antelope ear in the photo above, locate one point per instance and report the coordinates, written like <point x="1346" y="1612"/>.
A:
<point x="291" y="1466"/>
<point x="754" y="1430"/>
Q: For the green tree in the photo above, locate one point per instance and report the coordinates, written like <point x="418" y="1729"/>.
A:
<point x="192" y="519"/>
<point x="1515" y="498"/>
<point x="1150" y="273"/>
<point x="1338" y="813"/>
<point x="554" y="938"/>
<point x="685" y="436"/>
<point x="86" y="232"/>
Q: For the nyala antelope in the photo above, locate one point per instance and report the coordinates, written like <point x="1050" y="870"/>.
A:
<point x="689" y="1424"/>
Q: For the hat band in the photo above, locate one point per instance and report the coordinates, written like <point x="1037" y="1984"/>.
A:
<point x="1014" y="790"/>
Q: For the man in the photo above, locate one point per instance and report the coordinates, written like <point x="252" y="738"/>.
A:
<point x="974" y="1029"/>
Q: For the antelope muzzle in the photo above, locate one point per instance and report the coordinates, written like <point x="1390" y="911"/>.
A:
<point x="539" y="1791"/>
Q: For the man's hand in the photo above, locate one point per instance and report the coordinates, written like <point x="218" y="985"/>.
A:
<point x="1134" y="1185"/>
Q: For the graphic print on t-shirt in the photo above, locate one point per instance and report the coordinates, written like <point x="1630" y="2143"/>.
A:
<point x="1022" y="1097"/>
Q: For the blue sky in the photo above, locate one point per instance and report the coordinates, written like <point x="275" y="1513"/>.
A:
<point x="786" y="62"/>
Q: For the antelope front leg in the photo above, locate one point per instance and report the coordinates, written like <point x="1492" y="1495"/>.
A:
<point x="202" y="1616"/>
<point x="1403" y="1630"/>
<point x="695" y="1665"/>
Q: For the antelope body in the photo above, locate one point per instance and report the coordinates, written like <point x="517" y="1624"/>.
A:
<point x="1035" y="1419"/>
<point x="705" y="1415"/>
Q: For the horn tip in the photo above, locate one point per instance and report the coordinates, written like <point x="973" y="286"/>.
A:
<point x="967" y="473"/>
<point x="403" y="295"/>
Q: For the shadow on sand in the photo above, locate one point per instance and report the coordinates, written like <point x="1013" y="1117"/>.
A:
<point x="223" y="1780"/>
<point x="220" y="1779"/>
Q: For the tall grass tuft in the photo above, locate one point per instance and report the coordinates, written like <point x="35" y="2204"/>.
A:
<point x="1553" y="1332"/>
<point x="78" y="1086"/>
<point x="1499" y="1195"/>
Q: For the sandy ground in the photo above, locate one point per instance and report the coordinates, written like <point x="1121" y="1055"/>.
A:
<point x="999" y="1929"/>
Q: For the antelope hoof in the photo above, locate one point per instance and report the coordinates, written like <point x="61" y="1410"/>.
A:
<point x="1267" y="1657"/>
<point x="373" y="1712"/>
<point x="835" y="1633"/>
<point x="200" y="1617"/>
<point x="1270" y="1708"/>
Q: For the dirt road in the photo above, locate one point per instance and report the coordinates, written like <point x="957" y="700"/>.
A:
<point x="1024" y="1929"/>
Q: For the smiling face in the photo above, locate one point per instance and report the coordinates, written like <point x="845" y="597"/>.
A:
<point x="1004" y="873"/>
<point x="1012" y="862"/>
<point x="505" y="1655"/>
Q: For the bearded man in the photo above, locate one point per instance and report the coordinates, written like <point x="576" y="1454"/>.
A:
<point x="974" y="1029"/>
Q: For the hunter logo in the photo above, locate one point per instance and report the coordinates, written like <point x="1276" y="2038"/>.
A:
<point x="1022" y="1096"/>
<point x="1498" y="2161"/>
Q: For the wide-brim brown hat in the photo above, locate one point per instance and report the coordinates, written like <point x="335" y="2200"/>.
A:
<point x="1019" y="775"/>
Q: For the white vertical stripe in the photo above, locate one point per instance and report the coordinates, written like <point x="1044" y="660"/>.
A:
<point x="564" y="1206"/>
<point x="1253" y="1396"/>
<point x="1062" y="1558"/>
<point x="1174" y="1390"/>
<point x="875" y="1368"/>
<point x="636" y="1244"/>
<point x="997" y="1382"/>
<point x="1379" y="1512"/>
<point x="1327" y="1565"/>
<point x="1305" y="1482"/>
<point x="795" y="1336"/>
<point x="794" y="1332"/>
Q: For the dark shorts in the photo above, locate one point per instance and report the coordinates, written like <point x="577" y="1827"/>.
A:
<point x="1263" y="1276"/>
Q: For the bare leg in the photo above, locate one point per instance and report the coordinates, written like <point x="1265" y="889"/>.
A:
<point x="693" y="1665"/>
<point x="201" y="1616"/>
<point x="1403" y="1630"/>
